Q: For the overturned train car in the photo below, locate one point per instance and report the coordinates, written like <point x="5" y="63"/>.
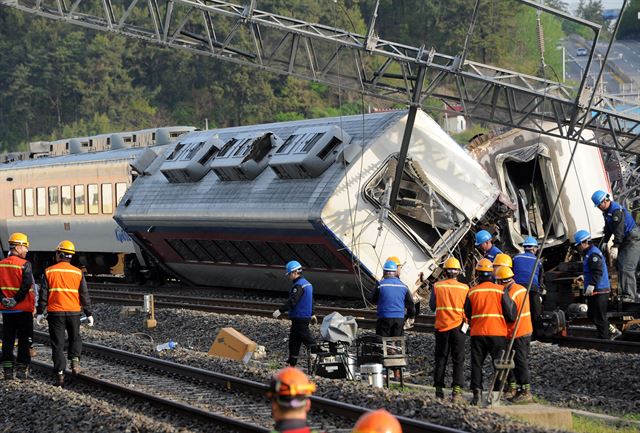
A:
<point x="229" y="207"/>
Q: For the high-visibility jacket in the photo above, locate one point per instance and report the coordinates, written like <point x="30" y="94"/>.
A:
<point x="63" y="282"/>
<point x="519" y="296"/>
<point x="450" y="296"/>
<point x="486" y="310"/>
<point x="392" y="298"/>
<point x="12" y="280"/>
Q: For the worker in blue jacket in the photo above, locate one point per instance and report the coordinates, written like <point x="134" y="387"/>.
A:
<point x="484" y="241"/>
<point x="625" y="251"/>
<point x="523" y="268"/>
<point x="393" y="297"/>
<point x="300" y="308"/>
<point x="596" y="284"/>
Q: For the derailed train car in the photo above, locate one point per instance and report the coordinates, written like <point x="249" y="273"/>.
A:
<point x="229" y="207"/>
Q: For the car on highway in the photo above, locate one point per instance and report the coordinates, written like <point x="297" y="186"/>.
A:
<point x="581" y="52"/>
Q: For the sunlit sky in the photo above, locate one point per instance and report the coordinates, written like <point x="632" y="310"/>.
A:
<point x="606" y="4"/>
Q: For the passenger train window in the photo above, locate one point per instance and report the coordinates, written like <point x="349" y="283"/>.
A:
<point x="28" y="201"/>
<point x="41" y="201"/>
<point x="54" y="206"/>
<point x="65" y="192"/>
<point x="78" y="195"/>
<point x="107" y="198"/>
<point x="17" y="202"/>
<point x="93" y="198"/>
<point x="121" y="189"/>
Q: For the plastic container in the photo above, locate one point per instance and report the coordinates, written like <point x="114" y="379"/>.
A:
<point x="169" y="345"/>
<point x="371" y="374"/>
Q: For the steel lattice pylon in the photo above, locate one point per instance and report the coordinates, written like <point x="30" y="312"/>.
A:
<point x="361" y="63"/>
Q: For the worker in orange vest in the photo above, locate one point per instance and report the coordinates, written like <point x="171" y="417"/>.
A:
<point x="18" y="301"/>
<point x="519" y="377"/>
<point x="490" y="308"/>
<point x="447" y="300"/>
<point x="290" y="391"/>
<point x="65" y="296"/>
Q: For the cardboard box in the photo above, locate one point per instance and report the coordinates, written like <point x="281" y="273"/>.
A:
<point x="231" y="344"/>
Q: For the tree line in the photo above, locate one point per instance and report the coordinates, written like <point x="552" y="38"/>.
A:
<point x="61" y="80"/>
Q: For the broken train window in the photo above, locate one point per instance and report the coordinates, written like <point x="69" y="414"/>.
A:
<point x="421" y="211"/>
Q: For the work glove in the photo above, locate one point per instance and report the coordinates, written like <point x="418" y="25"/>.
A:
<point x="276" y="314"/>
<point x="314" y="320"/>
<point x="408" y="324"/>
<point x="589" y="290"/>
<point x="613" y="254"/>
<point x="40" y="319"/>
<point x="90" y="321"/>
<point x="9" y="302"/>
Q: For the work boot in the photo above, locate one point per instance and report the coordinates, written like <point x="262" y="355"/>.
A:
<point x="22" y="372"/>
<point x="477" y="396"/>
<point x="439" y="392"/>
<point x="524" y="396"/>
<point x="511" y="391"/>
<point x="8" y="373"/>
<point x="456" y="394"/>
<point x="75" y="366"/>
<point x="60" y="379"/>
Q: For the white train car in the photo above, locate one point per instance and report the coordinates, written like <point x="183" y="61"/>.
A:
<point x="74" y="197"/>
<point x="230" y="207"/>
<point x="529" y="168"/>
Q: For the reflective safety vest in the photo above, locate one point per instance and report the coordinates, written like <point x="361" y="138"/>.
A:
<point x="518" y="293"/>
<point x="63" y="280"/>
<point x="629" y="222"/>
<point x="486" y="310"/>
<point x="492" y="253"/>
<point x="11" y="281"/>
<point x="450" y="297"/>
<point x="523" y="268"/>
<point x="304" y="308"/>
<point x="393" y="292"/>
<point x="603" y="284"/>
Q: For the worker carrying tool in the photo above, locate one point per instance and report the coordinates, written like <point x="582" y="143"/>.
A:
<point x="625" y="252"/>
<point x="289" y="392"/>
<point x="447" y="300"/>
<point x="596" y="284"/>
<point x="18" y="302"/>
<point x="523" y="268"/>
<point x="392" y="297"/>
<point x="519" y="379"/>
<point x="490" y="309"/>
<point x="300" y="309"/>
<point x="65" y="296"/>
<point x="484" y="241"/>
<point x="377" y="421"/>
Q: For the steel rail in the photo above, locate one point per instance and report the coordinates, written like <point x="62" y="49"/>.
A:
<point x="233" y="383"/>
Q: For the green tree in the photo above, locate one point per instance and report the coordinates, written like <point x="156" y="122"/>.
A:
<point x="629" y="22"/>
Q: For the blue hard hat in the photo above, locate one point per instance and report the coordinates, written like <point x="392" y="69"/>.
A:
<point x="482" y="236"/>
<point x="581" y="236"/>
<point x="530" y="241"/>
<point x="390" y="266"/>
<point x="292" y="266"/>
<point x="598" y="196"/>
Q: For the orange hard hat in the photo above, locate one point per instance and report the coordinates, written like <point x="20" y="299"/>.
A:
<point x="378" y="421"/>
<point x="503" y="259"/>
<point x="290" y="387"/>
<point x="504" y="273"/>
<point x="484" y="265"/>
<point x="19" y="239"/>
<point x="452" y="263"/>
<point x="66" y="247"/>
<point x="395" y="260"/>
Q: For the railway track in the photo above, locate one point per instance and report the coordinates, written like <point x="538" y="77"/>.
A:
<point x="225" y="400"/>
<point x="583" y="338"/>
